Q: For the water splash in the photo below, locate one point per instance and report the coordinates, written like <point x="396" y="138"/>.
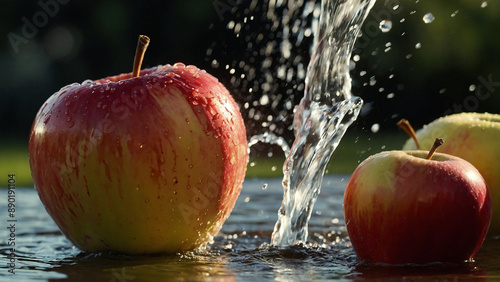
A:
<point x="322" y="117"/>
<point x="428" y="18"/>
<point x="270" y="138"/>
<point x="385" y="26"/>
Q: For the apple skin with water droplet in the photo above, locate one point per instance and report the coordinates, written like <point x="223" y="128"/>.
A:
<point x="138" y="165"/>
<point x="475" y="138"/>
<point x="401" y="208"/>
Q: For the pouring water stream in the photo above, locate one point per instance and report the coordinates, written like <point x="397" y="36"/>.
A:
<point x="325" y="112"/>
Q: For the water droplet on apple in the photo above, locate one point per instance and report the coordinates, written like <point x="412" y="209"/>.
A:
<point x="179" y="65"/>
<point x="68" y="103"/>
<point x="99" y="105"/>
<point x="146" y="200"/>
<point x="187" y="120"/>
<point x="174" y="180"/>
<point x="190" y="165"/>
<point x="175" y="192"/>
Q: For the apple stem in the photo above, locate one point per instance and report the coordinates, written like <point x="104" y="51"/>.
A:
<point x="406" y="126"/>
<point x="436" y="144"/>
<point x="142" y="45"/>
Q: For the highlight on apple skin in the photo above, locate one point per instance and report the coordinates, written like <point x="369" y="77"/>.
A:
<point x="475" y="138"/>
<point x="143" y="164"/>
<point x="400" y="208"/>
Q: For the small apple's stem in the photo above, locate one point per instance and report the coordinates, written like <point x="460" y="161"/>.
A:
<point x="142" y="45"/>
<point x="406" y="126"/>
<point x="436" y="144"/>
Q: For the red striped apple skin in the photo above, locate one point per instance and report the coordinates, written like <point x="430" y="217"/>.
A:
<point x="475" y="138"/>
<point x="401" y="208"/>
<point x="140" y="165"/>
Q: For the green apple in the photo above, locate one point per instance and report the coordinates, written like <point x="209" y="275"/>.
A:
<point x="474" y="137"/>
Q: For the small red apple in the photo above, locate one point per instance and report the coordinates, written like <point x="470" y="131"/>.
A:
<point x="401" y="207"/>
<point x="476" y="136"/>
<point x="143" y="163"/>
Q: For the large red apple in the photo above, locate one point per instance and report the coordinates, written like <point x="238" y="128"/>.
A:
<point x="143" y="164"/>
<point x="400" y="207"/>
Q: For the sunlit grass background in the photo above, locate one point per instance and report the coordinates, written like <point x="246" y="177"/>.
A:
<point x="353" y="149"/>
<point x="14" y="159"/>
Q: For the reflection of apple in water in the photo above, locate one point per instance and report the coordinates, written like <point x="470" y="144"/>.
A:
<point x="143" y="164"/>
<point x="476" y="138"/>
<point x="404" y="207"/>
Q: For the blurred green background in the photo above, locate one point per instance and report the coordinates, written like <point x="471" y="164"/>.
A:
<point x="416" y="70"/>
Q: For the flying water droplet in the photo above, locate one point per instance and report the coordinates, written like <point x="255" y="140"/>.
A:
<point x="428" y="18"/>
<point x="385" y="25"/>
<point x="484" y="4"/>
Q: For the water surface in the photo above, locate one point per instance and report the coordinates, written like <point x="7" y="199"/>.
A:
<point x="240" y="252"/>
